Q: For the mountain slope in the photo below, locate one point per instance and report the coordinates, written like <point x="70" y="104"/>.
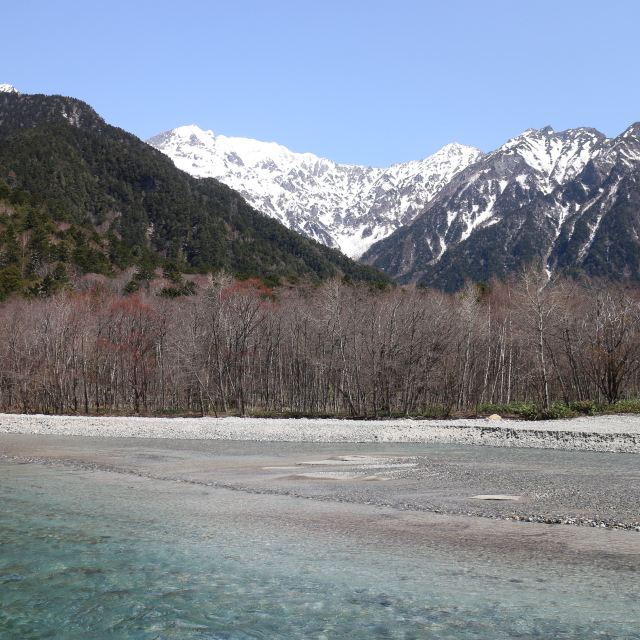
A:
<point x="568" y="200"/>
<point x="345" y="206"/>
<point x="75" y="169"/>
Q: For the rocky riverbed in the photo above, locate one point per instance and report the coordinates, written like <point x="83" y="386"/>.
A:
<point x="605" y="433"/>
<point x="525" y="485"/>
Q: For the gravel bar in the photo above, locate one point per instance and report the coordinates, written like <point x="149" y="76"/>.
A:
<point x="619" y="433"/>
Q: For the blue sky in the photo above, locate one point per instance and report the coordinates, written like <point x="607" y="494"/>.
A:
<point x="363" y="81"/>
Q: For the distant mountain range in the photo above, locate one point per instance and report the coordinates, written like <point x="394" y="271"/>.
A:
<point x="346" y="206"/>
<point x="567" y="200"/>
<point x="78" y="196"/>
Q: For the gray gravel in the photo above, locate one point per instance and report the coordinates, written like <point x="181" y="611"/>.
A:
<point x="606" y="433"/>
<point x="592" y="489"/>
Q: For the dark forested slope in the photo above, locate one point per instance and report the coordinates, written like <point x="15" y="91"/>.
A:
<point x="77" y="194"/>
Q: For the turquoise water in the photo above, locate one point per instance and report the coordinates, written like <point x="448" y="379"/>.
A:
<point x="93" y="555"/>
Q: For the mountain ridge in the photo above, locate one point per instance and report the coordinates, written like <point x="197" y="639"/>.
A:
<point x="544" y="196"/>
<point x="341" y="205"/>
<point x="445" y="220"/>
<point x="568" y="201"/>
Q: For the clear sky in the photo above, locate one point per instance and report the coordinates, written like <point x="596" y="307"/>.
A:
<point x="363" y="81"/>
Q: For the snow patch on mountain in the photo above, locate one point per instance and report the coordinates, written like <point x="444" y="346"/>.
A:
<point x="555" y="157"/>
<point x="539" y="162"/>
<point x="349" y="207"/>
<point x="563" y="198"/>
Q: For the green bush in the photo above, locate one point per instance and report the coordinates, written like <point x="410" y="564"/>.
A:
<point x="559" y="410"/>
<point x="10" y="281"/>
<point x="556" y="411"/>
<point x="132" y="286"/>
<point x="172" y="273"/>
<point x="186" y="289"/>
<point x="584" y="407"/>
<point x="624" y="406"/>
<point x="436" y="411"/>
<point x="592" y="408"/>
<point x="90" y="260"/>
<point x="523" y="410"/>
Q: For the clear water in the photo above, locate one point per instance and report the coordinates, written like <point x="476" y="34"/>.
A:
<point x="90" y="555"/>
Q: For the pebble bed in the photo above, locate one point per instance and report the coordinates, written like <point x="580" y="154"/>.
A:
<point x="607" y="433"/>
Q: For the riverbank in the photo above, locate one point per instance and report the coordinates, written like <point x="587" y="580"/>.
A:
<point x="525" y="485"/>
<point x="617" y="433"/>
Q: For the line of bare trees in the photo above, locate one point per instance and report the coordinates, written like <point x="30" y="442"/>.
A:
<point x="335" y="349"/>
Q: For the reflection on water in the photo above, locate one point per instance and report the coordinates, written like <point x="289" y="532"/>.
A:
<point x="86" y="555"/>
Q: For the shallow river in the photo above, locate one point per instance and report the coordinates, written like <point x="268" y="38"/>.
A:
<point x="94" y="554"/>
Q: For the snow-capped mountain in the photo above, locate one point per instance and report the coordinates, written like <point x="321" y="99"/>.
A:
<point x="570" y="200"/>
<point x="7" y="88"/>
<point x="350" y="207"/>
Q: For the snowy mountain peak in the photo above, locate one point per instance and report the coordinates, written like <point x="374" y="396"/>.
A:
<point x="556" y="157"/>
<point x="7" y="88"/>
<point x="632" y="132"/>
<point x="455" y="147"/>
<point x="452" y="150"/>
<point x="194" y="130"/>
<point x="567" y="200"/>
<point x="345" y="206"/>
